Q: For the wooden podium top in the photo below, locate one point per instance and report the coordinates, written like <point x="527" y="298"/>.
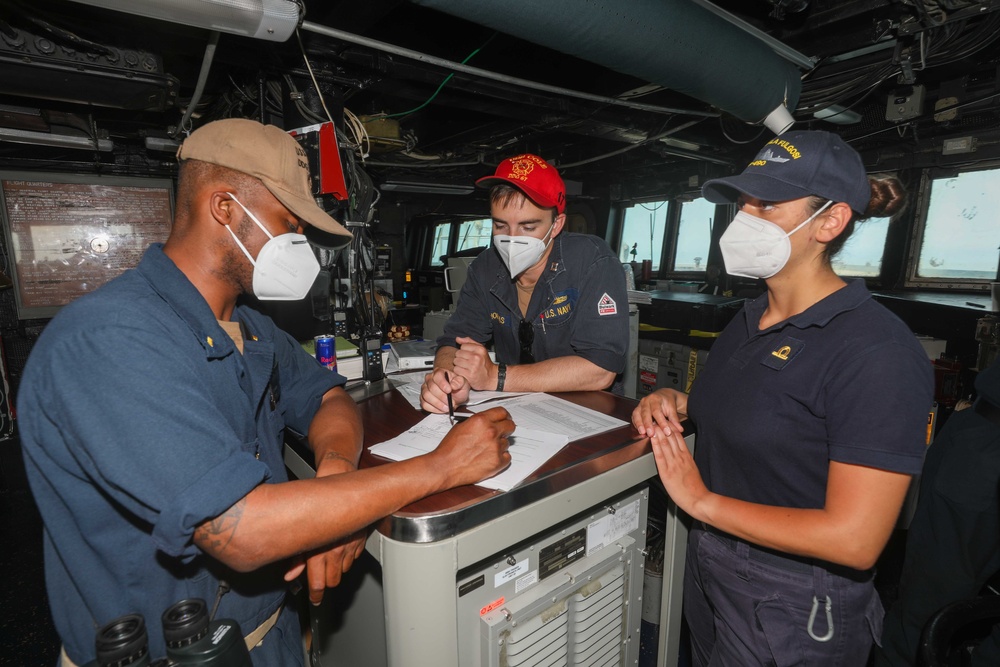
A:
<point x="442" y="515"/>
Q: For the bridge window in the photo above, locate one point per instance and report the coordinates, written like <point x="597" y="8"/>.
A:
<point x="959" y="235"/>
<point x="474" y="234"/>
<point x="676" y="235"/>
<point x="861" y="256"/>
<point x="449" y="237"/>
<point x="642" y="231"/>
<point x="440" y="243"/>
<point x="694" y="235"/>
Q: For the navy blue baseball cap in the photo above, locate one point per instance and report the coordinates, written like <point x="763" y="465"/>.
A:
<point x="795" y="165"/>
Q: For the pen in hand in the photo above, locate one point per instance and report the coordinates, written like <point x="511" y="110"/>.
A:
<point x="451" y="404"/>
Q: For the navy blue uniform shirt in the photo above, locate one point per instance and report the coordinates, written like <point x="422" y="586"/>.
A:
<point x="845" y="381"/>
<point x="139" y="421"/>
<point x="579" y="306"/>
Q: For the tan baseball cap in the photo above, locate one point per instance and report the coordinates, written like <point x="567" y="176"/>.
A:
<point x="265" y="152"/>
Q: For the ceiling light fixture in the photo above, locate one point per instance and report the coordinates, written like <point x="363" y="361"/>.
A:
<point x="273" y="20"/>
<point x="838" y="114"/>
<point x="52" y="139"/>
<point x="428" y="187"/>
<point x="680" y="143"/>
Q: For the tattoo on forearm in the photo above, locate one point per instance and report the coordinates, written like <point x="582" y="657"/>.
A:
<point x="216" y="534"/>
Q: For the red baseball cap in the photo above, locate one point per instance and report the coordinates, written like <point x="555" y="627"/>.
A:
<point x="533" y="176"/>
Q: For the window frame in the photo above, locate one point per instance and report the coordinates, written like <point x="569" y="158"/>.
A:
<point x="927" y="178"/>
<point x="668" y="251"/>
<point x="675" y="238"/>
<point x="624" y="206"/>
<point x="425" y="239"/>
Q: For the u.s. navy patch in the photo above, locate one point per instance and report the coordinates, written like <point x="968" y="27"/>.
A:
<point x="780" y="354"/>
<point x="607" y="305"/>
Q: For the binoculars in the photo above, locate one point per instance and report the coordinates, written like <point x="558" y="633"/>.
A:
<point x="192" y="640"/>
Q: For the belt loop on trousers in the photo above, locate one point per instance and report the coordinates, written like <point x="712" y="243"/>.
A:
<point x="743" y="553"/>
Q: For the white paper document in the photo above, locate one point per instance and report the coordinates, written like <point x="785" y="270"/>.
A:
<point x="542" y="412"/>
<point x="528" y="449"/>
<point x="408" y="384"/>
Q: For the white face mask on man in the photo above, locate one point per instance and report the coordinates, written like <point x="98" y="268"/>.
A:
<point x="520" y="253"/>
<point x="756" y="248"/>
<point x="285" y="268"/>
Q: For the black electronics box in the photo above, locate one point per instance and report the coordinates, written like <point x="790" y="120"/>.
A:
<point x="689" y="313"/>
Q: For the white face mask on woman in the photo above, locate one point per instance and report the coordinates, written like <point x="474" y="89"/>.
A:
<point x="285" y="268"/>
<point x="756" y="248"/>
<point x="520" y="253"/>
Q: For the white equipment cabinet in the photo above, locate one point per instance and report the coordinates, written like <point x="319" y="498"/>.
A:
<point x="549" y="573"/>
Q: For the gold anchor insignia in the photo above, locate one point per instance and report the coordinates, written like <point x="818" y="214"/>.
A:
<point x="782" y="352"/>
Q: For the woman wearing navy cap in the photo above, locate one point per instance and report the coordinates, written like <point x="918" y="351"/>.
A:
<point x="811" y="419"/>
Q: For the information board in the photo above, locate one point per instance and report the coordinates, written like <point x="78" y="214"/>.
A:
<point x="69" y="234"/>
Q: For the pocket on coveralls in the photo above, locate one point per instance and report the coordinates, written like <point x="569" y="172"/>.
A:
<point x="782" y="631"/>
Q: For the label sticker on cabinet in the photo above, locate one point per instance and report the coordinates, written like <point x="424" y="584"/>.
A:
<point x="611" y="527"/>
<point x="511" y="573"/>
<point x="491" y="606"/>
<point x="525" y="581"/>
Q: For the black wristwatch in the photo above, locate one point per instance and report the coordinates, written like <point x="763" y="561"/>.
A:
<point x="501" y="375"/>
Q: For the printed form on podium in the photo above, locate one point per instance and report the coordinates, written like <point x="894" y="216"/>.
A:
<point x="545" y="424"/>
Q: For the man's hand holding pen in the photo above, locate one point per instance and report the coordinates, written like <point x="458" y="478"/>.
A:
<point x="442" y="391"/>
<point x="476" y="448"/>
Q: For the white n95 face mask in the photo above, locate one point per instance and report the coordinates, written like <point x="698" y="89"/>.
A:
<point x="285" y="268"/>
<point x="520" y="253"/>
<point x="756" y="248"/>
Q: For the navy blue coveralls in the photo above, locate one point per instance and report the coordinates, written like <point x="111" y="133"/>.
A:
<point x="139" y="421"/>
<point x="579" y="306"/>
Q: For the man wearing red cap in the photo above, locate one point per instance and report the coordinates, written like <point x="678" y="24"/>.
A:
<point x="152" y="413"/>
<point x="553" y="303"/>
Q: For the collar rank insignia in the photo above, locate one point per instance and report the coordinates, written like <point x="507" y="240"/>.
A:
<point x="781" y="354"/>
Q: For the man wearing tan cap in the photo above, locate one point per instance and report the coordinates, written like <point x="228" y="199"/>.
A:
<point x="552" y="303"/>
<point x="152" y="413"/>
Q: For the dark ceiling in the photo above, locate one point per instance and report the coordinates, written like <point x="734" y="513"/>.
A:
<point x="79" y="71"/>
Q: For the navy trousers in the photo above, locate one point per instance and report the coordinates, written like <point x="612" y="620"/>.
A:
<point x="748" y="606"/>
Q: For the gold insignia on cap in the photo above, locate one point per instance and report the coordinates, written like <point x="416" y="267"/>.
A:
<point x="521" y="168"/>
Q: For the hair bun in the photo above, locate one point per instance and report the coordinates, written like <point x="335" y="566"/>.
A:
<point x="888" y="197"/>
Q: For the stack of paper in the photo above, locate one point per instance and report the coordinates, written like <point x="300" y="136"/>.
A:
<point x="409" y="385"/>
<point x="528" y="449"/>
<point x="542" y="412"/>
<point x="638" y="296"/>
<point x="545" y="424"/>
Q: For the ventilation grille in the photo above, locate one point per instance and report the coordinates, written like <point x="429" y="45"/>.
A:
<point x="584" y="628"/>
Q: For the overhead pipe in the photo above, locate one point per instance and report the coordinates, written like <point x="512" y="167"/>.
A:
<point x="271" y="20"/>
<point x="494" y="76"/>
<point x="677" y="44"/>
